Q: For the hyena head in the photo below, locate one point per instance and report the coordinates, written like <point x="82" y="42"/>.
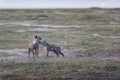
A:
<point x="43" y="42"/>
<point x="38" y="38"/>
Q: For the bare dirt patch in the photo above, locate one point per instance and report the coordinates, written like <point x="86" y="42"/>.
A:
<point x="98" y="35"/>
<point x="21" y="55"/>
<point x="35" y="29"/>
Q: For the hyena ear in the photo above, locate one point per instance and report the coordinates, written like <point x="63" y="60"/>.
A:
<point x="36" y="36"/>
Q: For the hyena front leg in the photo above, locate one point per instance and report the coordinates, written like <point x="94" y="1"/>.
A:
<point x="29" y="52"/>
<point x="37" y="52"/>
<point x="47" y="53"/>
<point x="32" y="50"/>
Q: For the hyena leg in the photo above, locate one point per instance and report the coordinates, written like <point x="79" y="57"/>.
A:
<point x="56" y="53"/>
<point x="32" y="50"/>
<point x="29" y="52"/>
<point x="47" y="53"/>
<point x="61" y="53"/>
<point x="37" y="52"/>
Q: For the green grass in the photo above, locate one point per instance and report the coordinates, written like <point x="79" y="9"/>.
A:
<point x="64" y="16"/>
<point x="104" y="22"/>
<point x="61" y="68"/>
<point x="64" y="37"/>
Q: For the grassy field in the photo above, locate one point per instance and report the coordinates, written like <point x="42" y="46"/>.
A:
<point x="64" y="16"/>
<point x="95" y="39"/>
<point x="60" y="69"/>
<point x="94" y="30"/>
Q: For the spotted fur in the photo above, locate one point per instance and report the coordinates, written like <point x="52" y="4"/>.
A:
<point x="52" y="48"/>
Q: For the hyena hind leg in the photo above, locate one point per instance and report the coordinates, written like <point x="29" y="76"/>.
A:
<point x="56" y="52"/>
<point x="61" y="53"/>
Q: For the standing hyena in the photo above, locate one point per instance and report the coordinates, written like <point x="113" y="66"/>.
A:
<point x="34" y="46"/>
<point x="52" y="48"/>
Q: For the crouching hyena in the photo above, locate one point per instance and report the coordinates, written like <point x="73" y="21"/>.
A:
<point x="52" y="48"/>
<point x="34" y="46"/>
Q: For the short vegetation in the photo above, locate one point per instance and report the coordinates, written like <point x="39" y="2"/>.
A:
<point x="95" y="30"/>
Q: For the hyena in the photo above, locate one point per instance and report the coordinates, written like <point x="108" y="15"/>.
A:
<point x="34" y="46"/>
<point x="52" y="48"/>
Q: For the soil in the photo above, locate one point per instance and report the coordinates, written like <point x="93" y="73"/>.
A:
<point x="21" y="55"/>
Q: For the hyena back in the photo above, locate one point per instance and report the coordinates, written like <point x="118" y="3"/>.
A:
<point x="52" y="48"/>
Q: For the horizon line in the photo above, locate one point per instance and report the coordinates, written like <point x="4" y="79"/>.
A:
<point x="69" y="8"/>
